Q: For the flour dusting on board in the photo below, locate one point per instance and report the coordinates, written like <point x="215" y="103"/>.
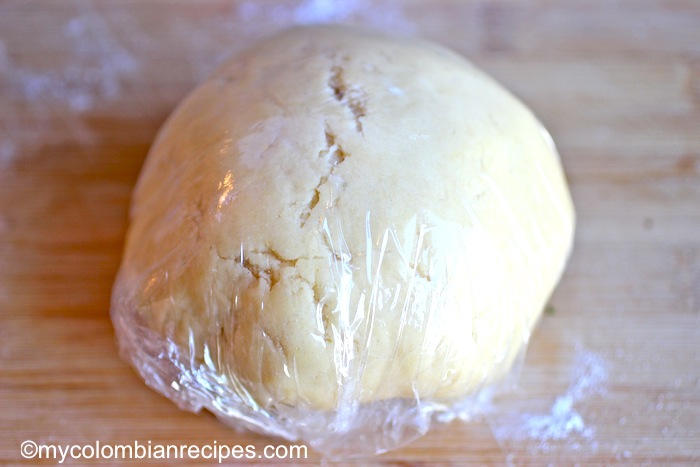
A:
<point x="563" y="420"/>
<point x="94" y="70"/>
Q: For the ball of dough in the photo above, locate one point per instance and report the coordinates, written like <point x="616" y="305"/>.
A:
<point x="338" y="217"/>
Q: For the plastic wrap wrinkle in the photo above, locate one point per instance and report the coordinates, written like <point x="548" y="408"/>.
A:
<point x="176" y="373"/>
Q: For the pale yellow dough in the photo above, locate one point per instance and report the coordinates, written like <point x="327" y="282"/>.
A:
<point x="339" y="216"/>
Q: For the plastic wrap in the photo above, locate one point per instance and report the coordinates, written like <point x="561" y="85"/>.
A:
<point x="338" y="238"/>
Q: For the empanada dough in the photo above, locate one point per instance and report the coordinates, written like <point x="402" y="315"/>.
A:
<point x="338" y="216"/>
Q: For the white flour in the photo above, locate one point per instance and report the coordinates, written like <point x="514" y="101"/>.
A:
<point x="563" y="420"/>
<point x="92" y="74"/>
<point x="96" y="69"/>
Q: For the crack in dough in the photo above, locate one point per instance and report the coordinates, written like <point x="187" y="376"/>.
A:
<point x="333" y="155"/>
<point x="353" y="98"/>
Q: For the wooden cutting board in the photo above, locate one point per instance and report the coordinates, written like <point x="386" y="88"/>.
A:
<point x="612" y="375"/>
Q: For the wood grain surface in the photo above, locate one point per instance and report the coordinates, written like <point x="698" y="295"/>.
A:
<point x="611" y="376"/>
